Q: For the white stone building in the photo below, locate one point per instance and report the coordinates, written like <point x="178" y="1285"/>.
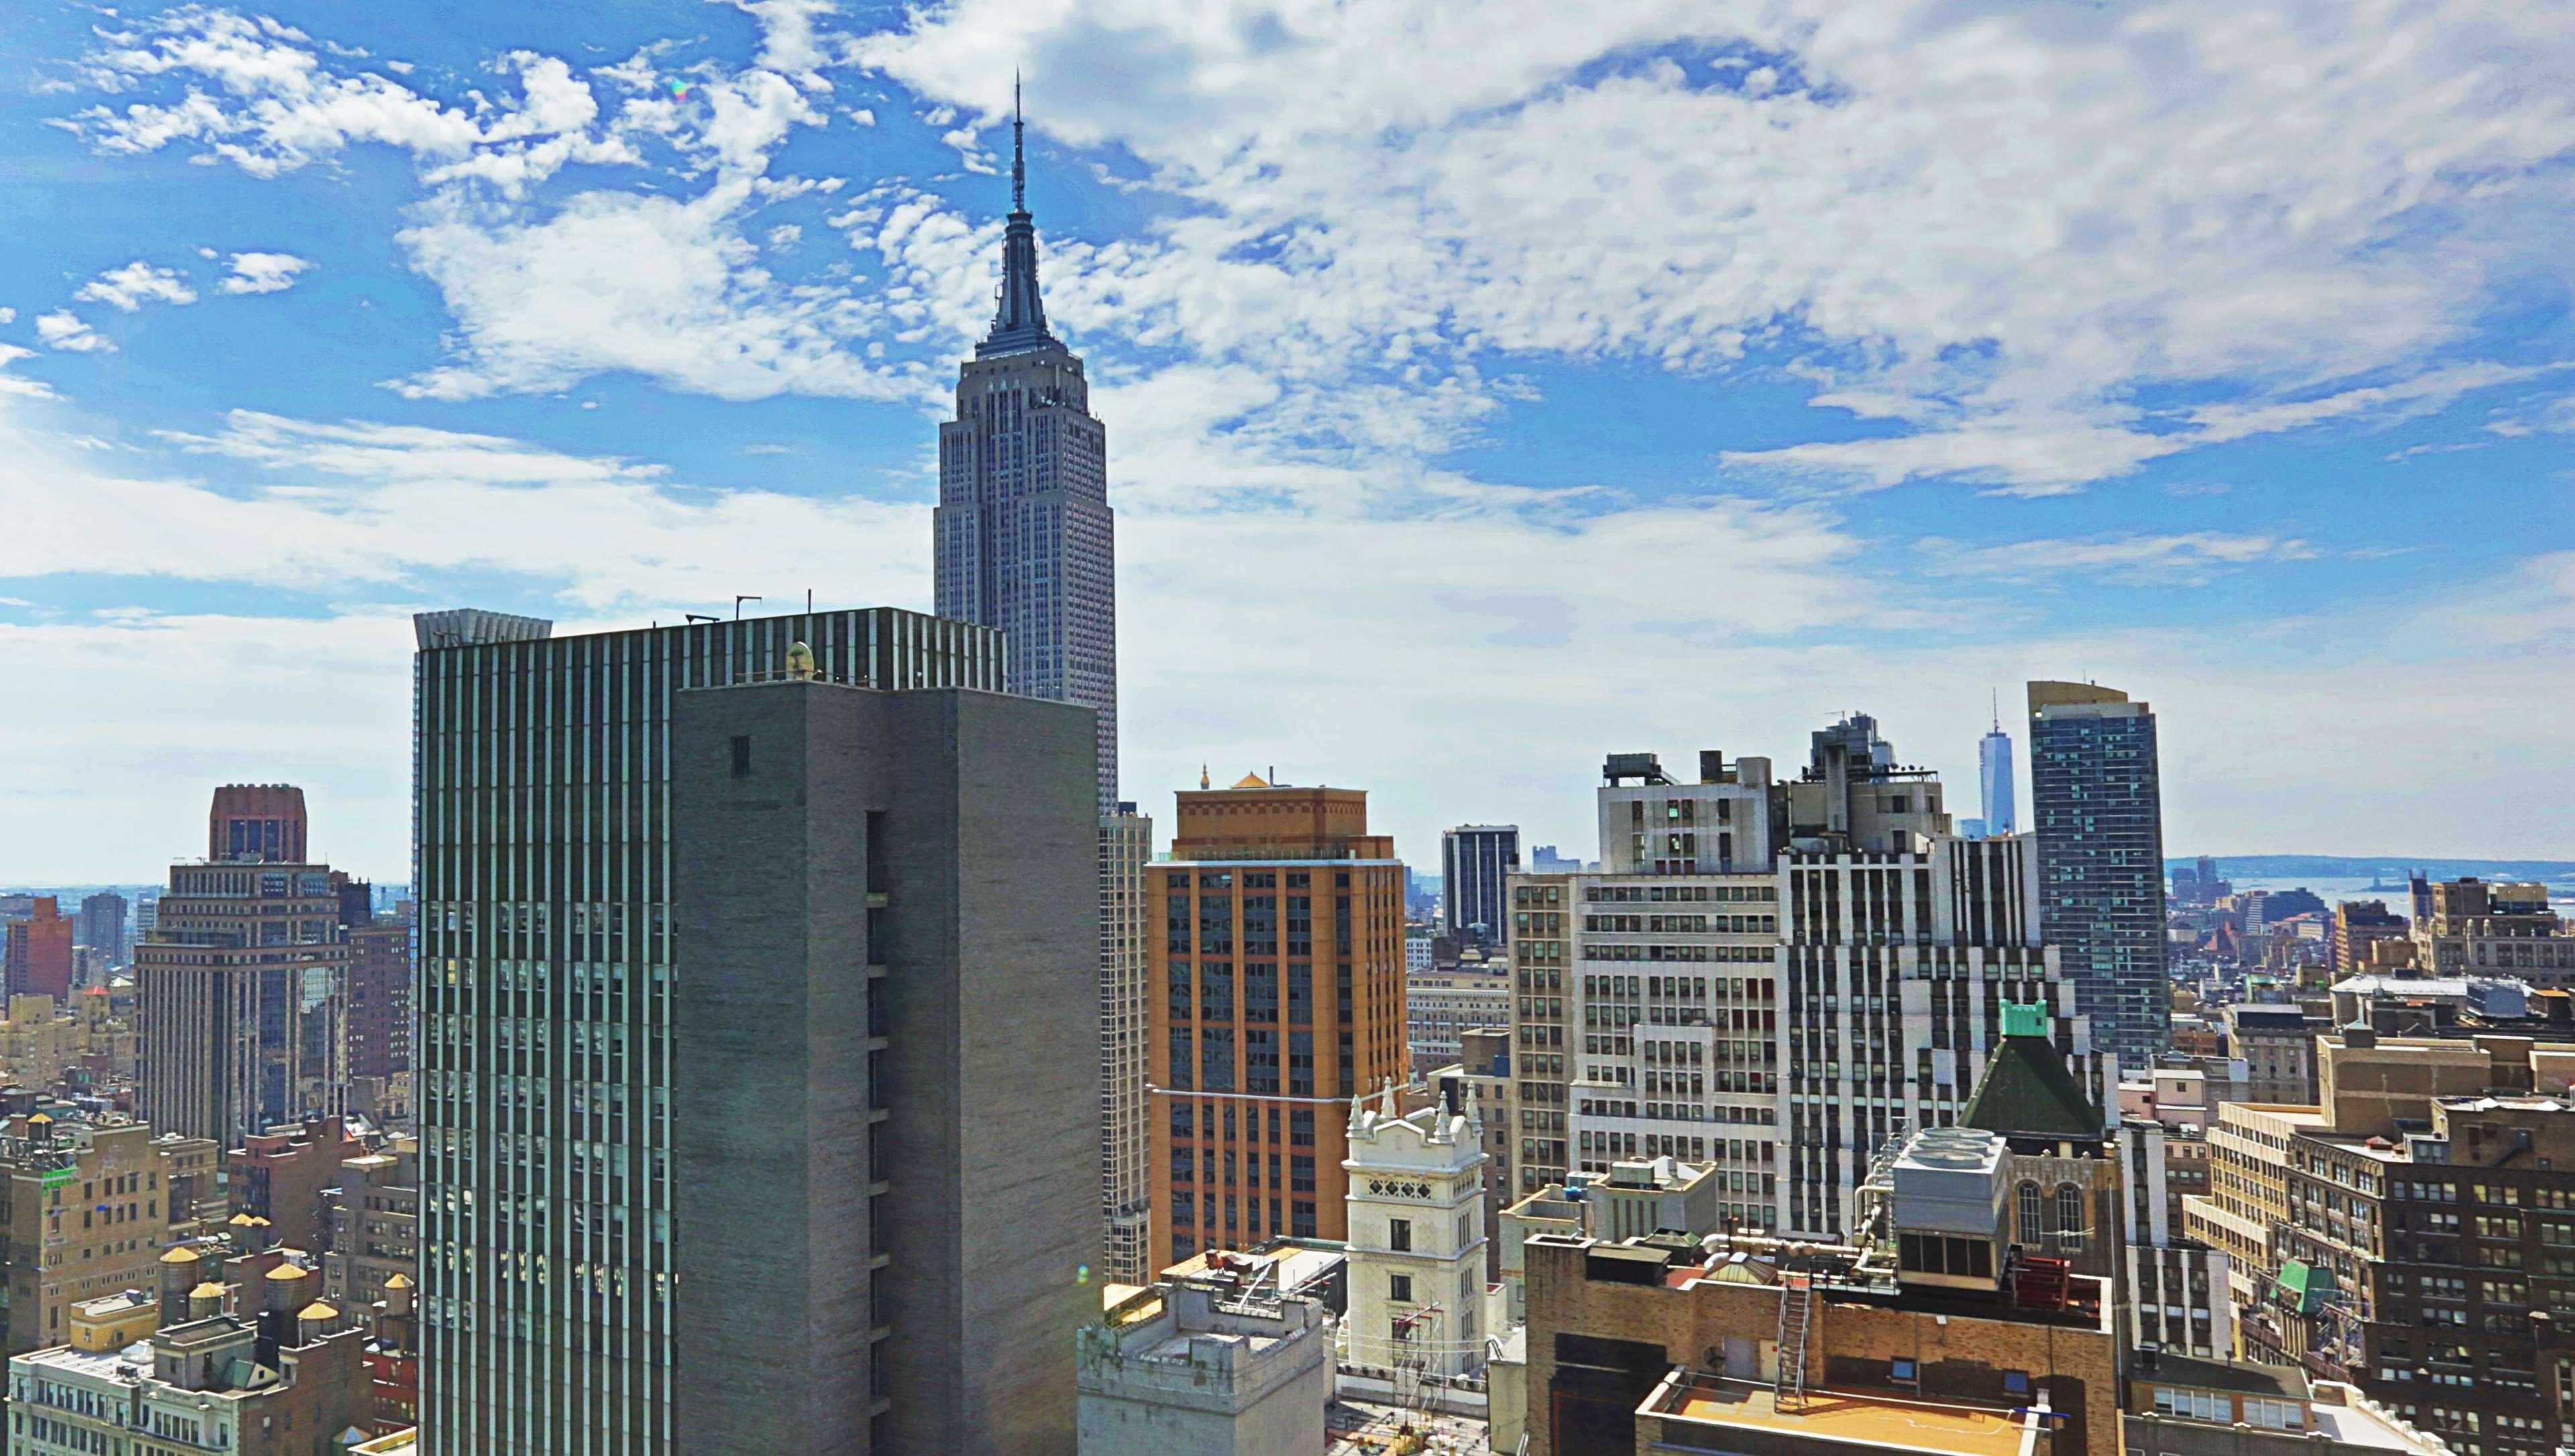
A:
<point x="1418" y="1230"/>
<point x="1769" y="978"/>
<point x="1220" y="1364"/>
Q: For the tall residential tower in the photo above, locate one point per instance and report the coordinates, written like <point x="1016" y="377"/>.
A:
<point x="2096" y="802"/>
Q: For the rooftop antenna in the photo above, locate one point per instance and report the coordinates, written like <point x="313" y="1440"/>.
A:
<point x="740" y="599"/>
<point x="1018" y="166"/>
<point x="699" y="617"/>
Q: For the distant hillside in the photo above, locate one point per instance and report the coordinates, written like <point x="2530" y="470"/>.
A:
<point x="2394" y="867"/>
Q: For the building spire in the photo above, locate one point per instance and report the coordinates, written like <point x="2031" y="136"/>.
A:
<point x="1018" y="315"/>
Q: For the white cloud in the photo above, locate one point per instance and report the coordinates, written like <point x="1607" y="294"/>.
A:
<point x="18" y="385"/>
<point x="2178" y="557"/>
<point x="8" y="316"/>
<point x="337" y="508"/>
<point x="791" y="43"/>
<point x="63" y="329"/>
<point x="278" y="106"/>
<point x="1998" y="222"/>
<point x="2422" y="394"/>
<point x="129" y="288"/>
<point x="785" y="236"/>
<point x="347" y="743"/>
<point x="264" y="272"/>
<point x="613" y="283"/>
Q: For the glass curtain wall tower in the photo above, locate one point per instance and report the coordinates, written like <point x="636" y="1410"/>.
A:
<point x="2096" y="802"/>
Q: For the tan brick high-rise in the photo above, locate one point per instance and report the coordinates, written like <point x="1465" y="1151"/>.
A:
<point x="1276" y="984"/>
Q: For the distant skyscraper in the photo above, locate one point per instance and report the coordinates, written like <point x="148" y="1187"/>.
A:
<point x="883" y="1132"/>
<point x="543" y="869"/>
<point x="2096" y="798"/>
<point x="39" y="956"/>
<point x="380" y="996"/>
<point x="102" y="926"/>
<point x="1994" y="779"/>
<point x="1475" y="863"/>
<point x="1025" y="539"/>
<point x="243" y="979"/>
<point x="257" y="822"/>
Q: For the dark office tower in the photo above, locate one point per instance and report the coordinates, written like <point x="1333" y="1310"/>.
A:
<point x="1475" y="863"/>
<point x="544" y="865"/>
<point x="102" y="926"/>
<point x="2098" y="810"/>
<point x="1024" y="541"/>
<point x="886" y="1044"/>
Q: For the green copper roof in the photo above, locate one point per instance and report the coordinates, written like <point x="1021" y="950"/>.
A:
<point x="2024" y="1019"/>
<point x="2028" y="1091"/>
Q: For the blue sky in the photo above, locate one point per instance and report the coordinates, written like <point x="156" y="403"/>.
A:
<point x="1488" y="388"/>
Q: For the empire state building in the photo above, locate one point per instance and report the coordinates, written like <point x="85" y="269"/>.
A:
<point x="1025" y="539"/>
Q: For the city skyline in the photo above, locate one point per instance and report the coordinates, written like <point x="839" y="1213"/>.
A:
<point x="1968" y="455"/>
<point x="744" y="909"/>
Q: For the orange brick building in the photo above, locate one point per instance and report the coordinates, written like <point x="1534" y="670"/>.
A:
<point x="1276" y="988"/>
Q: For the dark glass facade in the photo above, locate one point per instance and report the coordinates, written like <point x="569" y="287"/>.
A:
<point x="2097" y="807"/>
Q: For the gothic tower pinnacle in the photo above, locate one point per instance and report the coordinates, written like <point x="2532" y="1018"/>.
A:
<point x="1018" y="315"/>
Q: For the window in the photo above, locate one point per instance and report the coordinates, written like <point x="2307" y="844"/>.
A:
<point x="1398" y="1234"/>
<point x="2275" y="1415"/>
<point x="1399" y="1287"/>
<point x="2028" y="1212"/>
<point x="1901" y="1371"/>
<point x="742" y="755"/>
<point x="2069" y="1213"/>
<point x="2196" y="1405"/>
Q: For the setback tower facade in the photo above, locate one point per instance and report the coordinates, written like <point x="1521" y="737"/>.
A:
<point x="1024" y="541"/>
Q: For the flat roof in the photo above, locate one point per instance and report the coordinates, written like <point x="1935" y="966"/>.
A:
<point x="2242" y="1376"/>
<point x="2352" y="1424"/>
<point x="102" y="1364"/>
<point x="1854" y="1418"/>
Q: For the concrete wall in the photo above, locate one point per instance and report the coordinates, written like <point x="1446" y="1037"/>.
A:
<point x="982" y="1195"/>
<point x="1287" y="1420"/>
